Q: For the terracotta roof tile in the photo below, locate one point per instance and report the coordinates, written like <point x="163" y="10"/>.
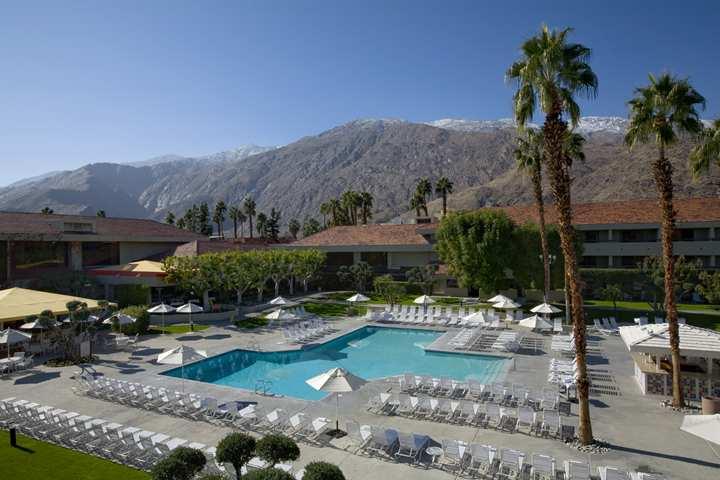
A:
<point x="376" y="234"/>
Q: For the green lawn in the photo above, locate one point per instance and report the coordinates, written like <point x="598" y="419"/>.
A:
<point x="178" y="328"/>
<point x="333" y="309"/>
<point x="37" y="460"/>
<point x="250" y="323"/>
<point x="687" y="307"/>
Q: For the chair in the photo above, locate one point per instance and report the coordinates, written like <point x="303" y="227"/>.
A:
<point x="383" y="441"/>
<point x="612" y="473"/>
<point x="411" y="445"/>
<point x="576" y="470"/>
<point x="359" y="435"/>
<point x="543" y="466"/>
<point x="526" y="418"/>
<point x="511" y="462"/>
<point x="557" y="325"/>
<point x="453" y="458"/>
<point x="482" y="459"/>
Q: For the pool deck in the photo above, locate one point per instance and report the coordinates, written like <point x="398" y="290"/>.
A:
<point x="641" y="433"/>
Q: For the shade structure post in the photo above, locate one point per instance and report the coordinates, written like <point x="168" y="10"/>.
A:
<point x="337" y="411"/>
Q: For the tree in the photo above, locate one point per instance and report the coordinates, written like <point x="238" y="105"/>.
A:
<point x="47" y="211"/>
<point x="444" y="187"/>
<point x="219" y="217"/>
<point x="529" y="157"/>
<point x="549" y="75"/>
<point x="476" y="249"/>
<point x="170" y="218"/>
<point x="528" y="269"/>
<point x="661" y="111"/>
<point x="366" y="205"/>
<point x="280" y="265"/>
<point x="709" y="286"/>
<point x="685" y="281"/>
<point x="203" y="220"/>
<point x="268" y="474"/>
<point x="236" y="449"/>
<point x="272" y="225"/>
<point x="325" y="211"/>
<point x="181" y="224"/>
<point x="417" y="203"/>
<point x="309" y="264"/>
<point x="322" y="471"/>
<point x="707" y="151"/>
<point x="276" y="448"/>
<point x="350" y="201"/>
<point x="423" y="191"/>
<point x="387" y="288"/>
<point x="612" y="292"/>
<point x="249" y="208"/>
<point x="234" y="214"/>
<point x="294" y="228"/>
<point x="101" y="213"/>
<point x="357" y="275"/>
<point x="261" y="225"/>
<point x="310" y="227"/>
<point x="182" y="463"/>
<point x="237" y="272"/>
<point x="423" y="276"/>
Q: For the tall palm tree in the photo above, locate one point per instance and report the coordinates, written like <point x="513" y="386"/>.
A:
<point x="550" y="73"/>
<point x="444" y="187"/>
<point x="707" y="151"/>
<point x="249" y="208"/>
<point x="366" y="204"/>
<point x="47" y="211"/>
<point x="661" y="111"/>
<point x="325" y="211"/>
<point x="416" y="202"/>
<point x="242" y="218"/>
<point x="234" y="213"/>
<point x="529" y="157"/>
<point x="424" y="190"/>
<point x="219" y="217"/>
<point x="336" y="211"/>
<point x="351" y="201"/>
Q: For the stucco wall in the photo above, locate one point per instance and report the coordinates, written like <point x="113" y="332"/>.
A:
<point x="130" y="251"/>
<point x="410" y="259"/>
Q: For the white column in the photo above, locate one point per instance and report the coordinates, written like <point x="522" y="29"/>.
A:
<point x="75" y="253"/>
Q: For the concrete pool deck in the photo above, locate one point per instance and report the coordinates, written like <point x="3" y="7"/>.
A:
<point x="641" y="433"/>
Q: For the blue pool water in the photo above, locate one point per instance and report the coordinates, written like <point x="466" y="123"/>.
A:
<point x="370" y="353"/>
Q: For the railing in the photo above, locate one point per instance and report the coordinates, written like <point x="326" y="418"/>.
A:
<point x="263" y="387"/>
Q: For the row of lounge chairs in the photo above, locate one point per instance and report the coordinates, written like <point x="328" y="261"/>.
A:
<point x="18" y="362"/>
<point x="438" y="316"/>
<point x="307" y="331"/>
<point x="564" y="344"/>
<point x="474" y="459"/>
<point x="606" y="326"/>
<point x="506" y="342"/>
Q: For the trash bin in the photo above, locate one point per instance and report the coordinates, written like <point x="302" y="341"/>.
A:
<point x="710" y="405"/>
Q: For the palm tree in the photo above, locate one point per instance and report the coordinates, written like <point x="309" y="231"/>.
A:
<point x="241" y="218"/>
<point x="335" y="211"/>
<point x="366" y="204"/>
<point x="101" y="213"/>
<point x="351" y="201"/>
<point x="170" y="218"/>
<point x="219" y="217"/>
<point x="424" y="190"/>
<point x="549" y="75"/>
<point x="249" y="209"/>
<point x="416" y="202"/>
<point x="234" y="214"/>
<point x="444" y="187"/>
<point x="294" y="228"/>
<point x="708" y="151"/>
<point x="662" y="110"/>
<point x="262" y="220"/>
<point x="47" y="211"/>
<point x="529" y="157"/>
<point x="325" y="210"/>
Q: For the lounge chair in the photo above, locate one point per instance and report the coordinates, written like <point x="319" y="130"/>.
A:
<point x="543" y="466"/>
<point x="359" y="435"/>
<point x="576" y="470"/>
<point x="482" y="460"/>
<point x="526" y="418"/>
<point x="511" y="462"/>
<point x="454" y="455"/>
<point x="383" y="441"/>
<point x="612" y="473"/>
<point x="411" y="445"/>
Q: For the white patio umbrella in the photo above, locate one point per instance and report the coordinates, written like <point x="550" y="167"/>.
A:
<point x="706" y="427"/>
<point x="189" y="308"/>
<point x="337" y="381"/>
<point x="358" y="297"/>
<point x="122" y="319"/>
<point x="545" y="308"/>
<point x="506" y="304"/>
<point x="180" y="356"/>
<point x="535" y="322"/>
<point x="280" y="314"/>
<point x="89" y="319"/>
<point x="162" y="309"/>
<point x="498" y="298"/>
<point x="424" y="300"/>
<point x="279" y="301"/>
<point x="475" y="317"/>
<point x="11" y="337"/>
<point x="37" y="325"/>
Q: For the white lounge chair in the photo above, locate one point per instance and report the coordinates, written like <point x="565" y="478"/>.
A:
<point x="576" y="470"/>
<point x="612" y="473"/>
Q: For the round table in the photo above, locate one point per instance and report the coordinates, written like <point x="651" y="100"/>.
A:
<point x="434" y="452"/>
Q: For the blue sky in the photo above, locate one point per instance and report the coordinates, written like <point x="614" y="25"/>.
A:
<point x="120" y="81"/>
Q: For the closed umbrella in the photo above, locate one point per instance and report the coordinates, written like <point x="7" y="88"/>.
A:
<point x="11" y="337"/>
<point x="162" y="309"/>
<point x="180" y="356"/>
<point x="337" y="381"/>
<point x="189" y="308"/>
<point x="279" y="301"/>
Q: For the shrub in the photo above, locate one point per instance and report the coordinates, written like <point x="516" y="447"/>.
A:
<point x="631" y="281"/>
<point x="127" y="295"/>
<point x="142" y="323"/>
<point x="268" y="474"/>
<point x="237" y="449"/>
<point x="182" y="464"/>
<point x="277" y="448"/>
<point x="322" y="471"/>
<point x="213" y="476"/>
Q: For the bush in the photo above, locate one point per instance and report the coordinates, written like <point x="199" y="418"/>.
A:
<point x="182" y="464"/>
<point x="322" y="471"/>
<point x="237" y="449"/>
<point x="277" y="448"/>
<point x="212" y="476"/>
<point x="142" y="323"/>
<point x="127" y="295"/>
<point x="631" y="281"/>
<point x="268" y="474"/>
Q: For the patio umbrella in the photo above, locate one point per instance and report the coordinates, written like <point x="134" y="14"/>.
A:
<point x="279" y="301"/>
<point x="475" y="317"/>
<point x="506" y="304"/>
<point x="180" y="356"/>
<point x="358" y="297"/>
<point x="280" y="314"/>
<point x="11" y="337"/>
<point x="162" y="309"/>
<point x="535" y="322"/>
<point x="189" y="308"/>
<point x="337" y="381"/>
<point x="424" y="300"/>
<point x="122" y="319"/>
<point x="38" y="325"/>
<point x="499" y="298"/>
<point x="545" y="308"/>
<point x="706" y="427"/>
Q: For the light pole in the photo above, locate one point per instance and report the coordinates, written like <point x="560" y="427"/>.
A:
<point x="551" y="260"/>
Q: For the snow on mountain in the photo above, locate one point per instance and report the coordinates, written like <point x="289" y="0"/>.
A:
<point x="586" y="126"/>
<point x="602" y="124"/>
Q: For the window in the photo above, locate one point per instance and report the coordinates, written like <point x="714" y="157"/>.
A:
<point x="99" y="253"/>
<point x="39" y="255"/>
<point x="593" y="236"/>
<point x="645" y="235"/>
<point x="592" y="261"/>
<point x="375" y="259"/>
<point x="627" y="262"/>
<point x="691" y="234"/>
<point x="452" y="283"/>
<point x="338" y="259"/>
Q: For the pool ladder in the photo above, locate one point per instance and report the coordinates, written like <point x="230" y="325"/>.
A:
<point x="263" y="387"/>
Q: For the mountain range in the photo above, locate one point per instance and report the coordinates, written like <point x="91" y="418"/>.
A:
<point x="385" y="157"/>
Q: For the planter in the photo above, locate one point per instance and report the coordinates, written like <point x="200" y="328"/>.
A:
<point x="710" y="405"/>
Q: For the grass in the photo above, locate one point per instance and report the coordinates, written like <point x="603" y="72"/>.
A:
<point x="686" y="307"/>
<point x="251" y="322"/>
<point x="626" y="315"/>
<point x="333" y="309"/>
<point x="40" y="460"/>
<point x="178" y="328"/>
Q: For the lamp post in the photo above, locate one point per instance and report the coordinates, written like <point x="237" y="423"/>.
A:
<point x="551" y="260"/>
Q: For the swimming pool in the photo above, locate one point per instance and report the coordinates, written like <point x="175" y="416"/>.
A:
<point x="369" y="352"/>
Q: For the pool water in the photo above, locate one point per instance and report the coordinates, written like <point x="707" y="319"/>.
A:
<point x="370" y="353"/>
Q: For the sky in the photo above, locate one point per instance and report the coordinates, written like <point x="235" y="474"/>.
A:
<point x="123" y="81"/>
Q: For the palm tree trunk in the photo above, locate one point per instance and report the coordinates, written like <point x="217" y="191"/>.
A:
<point x="554" y="132"/>
<point x="250" y="223"/>
<point x="444" y="199"/>
<point x="242" y="229"/>
<point x="234" y="228"/>
<point x="537" y="187"/>
<point x="663" y="170"/>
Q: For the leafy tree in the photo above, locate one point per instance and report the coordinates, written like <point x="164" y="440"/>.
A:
<point x="612" y="292"/>
<point x="276" y="448"/>
<point x="181" y="223"/>
<point x="661" y="111"/>
<point x="249" y="208"/>
<point x="181" y="464"/>
<point x="423" y="276"/>
<point x="268" y="474"/>
<point x="550" y="73"/>
<point x="322" y="471"/>
<point x="357" y="275"/>
<point x="47" y="211"/>
<point x="219" y="217"/>
<point x="709" y="286"/>
<point x="309" y="264"/>
<point x="387" y="288"/>
<point x="170" y="218"/>
<point x="237" y="271"/>
<point x="261" y="226"/>
<point x="101" y="213"/>
<point x="366" y="205"/>
<point x="476" y="249"/>
<point x="310" y="227"/>
<point x="685" y="281"/>
<point x="528" y="268"/>
<point x="280" y="267"/>
<point x="272" y="225"/>
<point x="294" y="228"/>
<point x="707" y="151"/>
<point x="444" y="187"/>
<point x="236" y="449"/>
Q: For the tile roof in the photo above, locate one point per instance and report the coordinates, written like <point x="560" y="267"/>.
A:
<point x="375" y="234"/>
<point x="198" y="247"/>
<point x="623" y="212"/>
<point x="21" y="223"/>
